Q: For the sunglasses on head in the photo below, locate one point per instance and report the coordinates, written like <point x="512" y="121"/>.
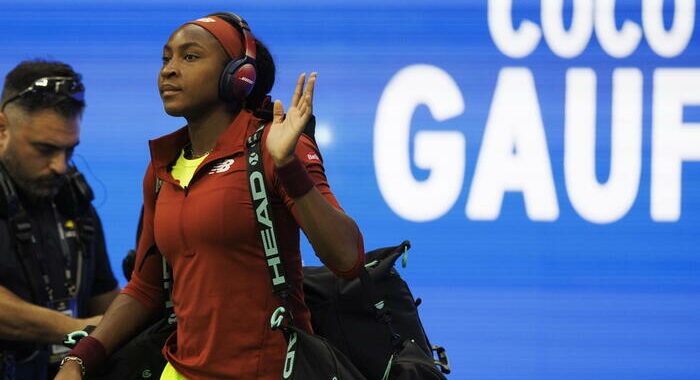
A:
<point x="53" y="86"/>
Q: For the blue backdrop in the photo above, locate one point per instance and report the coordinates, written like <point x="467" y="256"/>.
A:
<point x="542" y="161"/>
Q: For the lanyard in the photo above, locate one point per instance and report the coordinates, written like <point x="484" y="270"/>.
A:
<point x="43" y="264"/>
<point x="71" y="286"/>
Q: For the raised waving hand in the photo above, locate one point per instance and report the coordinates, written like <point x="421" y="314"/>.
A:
<point x="285" y="130"/>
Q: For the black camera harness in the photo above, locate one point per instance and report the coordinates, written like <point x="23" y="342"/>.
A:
<point x="74" y="199"/>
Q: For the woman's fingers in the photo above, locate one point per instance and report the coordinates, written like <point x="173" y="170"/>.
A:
<point x="309" y="92"/>
<point x="302" y="100"/>
<point x="277" y="112"/>
<point x="302" y="111"/>
<point x="298" y="90"/>
<point x="305" y="104"/>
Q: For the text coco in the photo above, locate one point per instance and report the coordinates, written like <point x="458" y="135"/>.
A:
<point x="589" y="16"/>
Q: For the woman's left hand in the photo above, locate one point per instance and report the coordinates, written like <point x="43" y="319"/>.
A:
<point x="285" y="131"/>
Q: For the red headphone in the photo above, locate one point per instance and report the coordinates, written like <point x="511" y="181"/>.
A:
<point x="238" y="78"/>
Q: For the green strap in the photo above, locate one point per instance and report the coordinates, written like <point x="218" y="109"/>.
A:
<point x="388" y="368"/>
<point x="277" y="317"/>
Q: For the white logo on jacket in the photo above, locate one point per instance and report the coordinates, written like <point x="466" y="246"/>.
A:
<point x="222" y="166"/>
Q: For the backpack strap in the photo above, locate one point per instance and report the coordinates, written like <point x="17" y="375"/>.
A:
<point x="381" y="311"/>
<point x="129" y="262"/>
<point x="265" y="219"/>
<point x="167" y="269"/>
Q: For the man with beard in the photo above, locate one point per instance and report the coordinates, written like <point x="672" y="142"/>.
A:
<point x="55" y="276"/>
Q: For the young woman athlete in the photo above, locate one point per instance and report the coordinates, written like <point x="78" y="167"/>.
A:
<point x="202" y="219"/>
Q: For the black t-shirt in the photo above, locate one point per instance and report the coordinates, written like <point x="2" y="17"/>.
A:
<point x="97" y="276"/>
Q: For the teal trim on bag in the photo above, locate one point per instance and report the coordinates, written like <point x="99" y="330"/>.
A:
<point x="388" y="368"/>
<point x="71" y="337"/>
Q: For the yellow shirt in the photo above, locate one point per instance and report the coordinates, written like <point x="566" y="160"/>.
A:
<point x="169" y="373"/>
<point x="183" y="170"/>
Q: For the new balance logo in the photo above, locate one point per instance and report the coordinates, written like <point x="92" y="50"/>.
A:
<point x="222" y="166"/>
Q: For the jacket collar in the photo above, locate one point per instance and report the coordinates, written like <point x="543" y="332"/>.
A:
<point x="166" y="149"/>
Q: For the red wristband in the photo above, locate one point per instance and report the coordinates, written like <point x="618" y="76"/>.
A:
<point x="294" y="178"/>
<point x="91" y="351"/>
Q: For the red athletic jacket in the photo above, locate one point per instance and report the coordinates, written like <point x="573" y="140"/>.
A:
<point x="222" y="292"/>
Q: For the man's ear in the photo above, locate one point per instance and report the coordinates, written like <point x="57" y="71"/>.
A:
<point x="4" y="132"/>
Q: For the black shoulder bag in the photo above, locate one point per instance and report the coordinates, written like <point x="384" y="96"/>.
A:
<point x="373" y="319"/>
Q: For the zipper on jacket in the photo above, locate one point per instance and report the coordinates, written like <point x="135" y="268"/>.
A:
<point x="182" y="220"/>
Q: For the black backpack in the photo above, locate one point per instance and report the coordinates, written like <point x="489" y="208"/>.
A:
<point x="372" y="319"/>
